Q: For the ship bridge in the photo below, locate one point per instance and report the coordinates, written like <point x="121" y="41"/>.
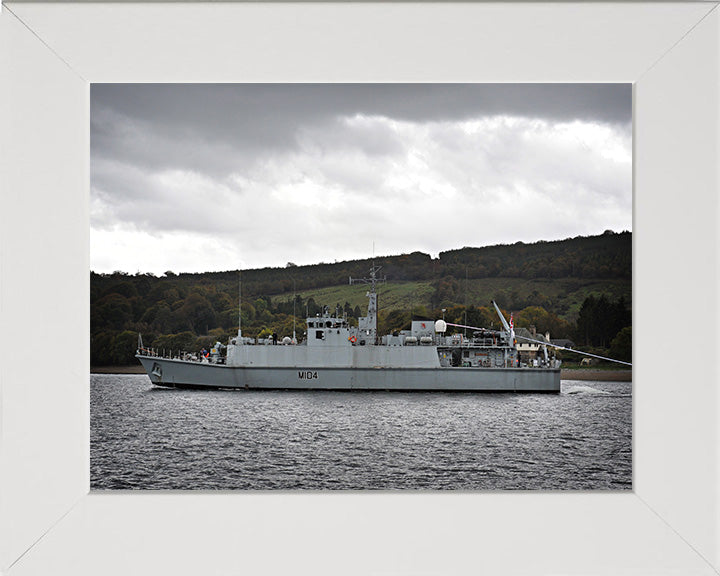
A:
<point x="328" y="330"/>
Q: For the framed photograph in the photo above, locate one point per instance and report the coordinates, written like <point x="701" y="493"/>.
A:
<point x="188" y="180"/>
<point x="50" y="54"/>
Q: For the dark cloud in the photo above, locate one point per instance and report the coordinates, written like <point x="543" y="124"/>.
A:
<point x="217" y="169"/>
<point x="205" y="124"/>
<point x="261" y="112"/>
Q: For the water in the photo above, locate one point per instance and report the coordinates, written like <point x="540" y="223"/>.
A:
<point x="143" y="437"/>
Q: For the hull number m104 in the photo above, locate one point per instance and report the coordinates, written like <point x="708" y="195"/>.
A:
<point x="307" y="375"/>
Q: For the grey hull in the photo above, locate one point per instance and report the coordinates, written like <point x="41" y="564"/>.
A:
<point x="179" y="373"/>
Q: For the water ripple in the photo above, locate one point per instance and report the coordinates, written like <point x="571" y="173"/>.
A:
<point x="144" y="437"/>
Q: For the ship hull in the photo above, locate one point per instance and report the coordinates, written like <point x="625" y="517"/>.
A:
<point x="183" y="374"/>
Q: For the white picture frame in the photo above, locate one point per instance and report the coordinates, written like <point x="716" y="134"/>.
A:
<point x="50" y="523"/>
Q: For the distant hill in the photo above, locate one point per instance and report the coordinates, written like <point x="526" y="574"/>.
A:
<point x="557" y="276"/>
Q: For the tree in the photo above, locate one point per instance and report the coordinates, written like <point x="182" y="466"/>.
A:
<point x="393" y="320"/>
<point x="101" y="348"/>
<point x="600" y="320"/>
<point x="481" y="317"/>
<point x="113" y="311"/>
<point x="197" y="314"/>
<point x="543" y="321"/>
<point x="125" y="288"/>
<point x="533" y="316"/>
<point x="621" y="345"/>
<point x="123" y="348"/>
<point x="446" y="292"/>
<point x="182" y="342"/>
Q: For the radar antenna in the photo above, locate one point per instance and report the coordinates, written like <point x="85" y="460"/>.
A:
<point x="373" y="280"/>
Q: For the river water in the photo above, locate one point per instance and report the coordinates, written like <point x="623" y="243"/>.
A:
<point x="144" y="437"/>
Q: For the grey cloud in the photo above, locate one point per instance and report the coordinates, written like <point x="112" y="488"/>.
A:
<point x="262" y="112"/>
<point x="143" y="201"/>
<point x="229" y="162"/>
<point x="210" y="126"/>
<point x="370" y="136"/>
<point x="152" y="146"/>
<point x="218" y="130"/>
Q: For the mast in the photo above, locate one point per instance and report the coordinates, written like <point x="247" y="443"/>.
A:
<point x="294" y="340"/>
<point x="240" y="306"/>
<point x="369" y="323"/>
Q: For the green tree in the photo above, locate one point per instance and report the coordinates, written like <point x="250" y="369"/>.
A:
<point x="481" y="317"/>
<point x="533" y="316"/>
<point x="393" y="320"/>
<point x="101" y="348"/>
<point x="197" y="314"/>
<point x="621" y="345"/>
<point x="113" y="311"/>
<point x="446" y="292"/>
<point x="123" y="348"/>
<point x="125" y="288"/>
<point x="600" y="319"/>
<point x="182" y="342"/>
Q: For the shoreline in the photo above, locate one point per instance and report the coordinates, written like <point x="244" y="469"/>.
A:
<point x="565" y="374"/>
<point x="594" y="374"/>
<point x="117" y="369"/>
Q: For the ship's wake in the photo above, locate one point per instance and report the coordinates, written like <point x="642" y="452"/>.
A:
<point x="589" y="390"/>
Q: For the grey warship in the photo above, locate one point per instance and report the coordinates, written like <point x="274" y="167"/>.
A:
<point x="338" y="356"/>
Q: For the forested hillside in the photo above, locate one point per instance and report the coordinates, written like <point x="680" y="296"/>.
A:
<point x="578" y="288"/>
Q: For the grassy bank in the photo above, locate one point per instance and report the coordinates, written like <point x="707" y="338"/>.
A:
<point x="117" y="369"/>
<point x="606" y="375"/>
<point x="568" y="294"/>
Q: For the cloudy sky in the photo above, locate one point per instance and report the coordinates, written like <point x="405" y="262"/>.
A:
<point x="195" y="177"/>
